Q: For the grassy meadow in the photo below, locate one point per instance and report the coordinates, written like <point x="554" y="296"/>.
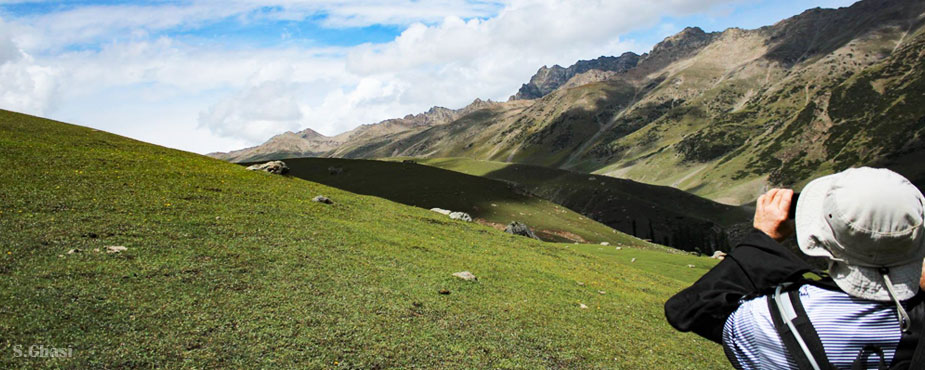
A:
<point x="225" y="267"/>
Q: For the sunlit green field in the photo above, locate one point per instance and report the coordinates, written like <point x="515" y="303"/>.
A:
<point x="230" y="268"/>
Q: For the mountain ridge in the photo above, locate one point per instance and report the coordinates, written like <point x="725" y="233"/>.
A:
<point x="721" y="114"/>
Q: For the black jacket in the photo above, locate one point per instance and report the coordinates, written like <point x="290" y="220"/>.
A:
<point x="754" y="267"/>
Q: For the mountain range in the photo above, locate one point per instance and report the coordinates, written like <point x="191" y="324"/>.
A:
<point x="723" y="115"/>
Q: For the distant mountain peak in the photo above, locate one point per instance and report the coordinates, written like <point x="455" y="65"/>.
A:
<point x="548" y="79"/>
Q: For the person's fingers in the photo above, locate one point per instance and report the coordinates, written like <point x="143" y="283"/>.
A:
<point x="785" y="199"/>
<point x="775" y="201"/>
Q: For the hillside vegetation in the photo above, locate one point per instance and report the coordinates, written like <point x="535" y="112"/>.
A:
<point x="723" y="115"/>
<point x="669" y="216"/>
<point x="488" y="201"/>
<point x="225" y="267"/>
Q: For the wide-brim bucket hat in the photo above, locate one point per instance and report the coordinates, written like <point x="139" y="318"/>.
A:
<point x="869" y="223"/>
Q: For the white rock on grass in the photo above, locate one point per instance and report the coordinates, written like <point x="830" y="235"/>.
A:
<point x="275" y="167"/>
<point x="582" y="306"/>
<point x="462" y="216"/>
<point x="465" y="275"/>
<point x="605" y="243"/>
<point x="115" y="249"/>
<point x="633" y="260"/>
<point x="690" y="266"/>
<point x="322" y="199"/>
<point x="442" y="211"/>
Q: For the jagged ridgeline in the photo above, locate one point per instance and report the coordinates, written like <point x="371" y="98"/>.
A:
<point x="723" y="115"/>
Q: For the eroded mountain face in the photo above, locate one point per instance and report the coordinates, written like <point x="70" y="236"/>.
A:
<point x="723" y="115"/>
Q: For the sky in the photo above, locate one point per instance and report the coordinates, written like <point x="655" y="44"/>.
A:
<point x="210" y="75"/>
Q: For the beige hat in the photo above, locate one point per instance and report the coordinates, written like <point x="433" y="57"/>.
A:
<point x="868" y="222"/>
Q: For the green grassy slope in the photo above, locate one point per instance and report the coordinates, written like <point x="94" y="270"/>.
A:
<point x="231" y="268"/>
<point x="679" y="219"/>
<point x="487" y="200"/>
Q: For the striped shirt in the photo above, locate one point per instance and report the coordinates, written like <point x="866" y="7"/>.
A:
<point x="845" y="325"/>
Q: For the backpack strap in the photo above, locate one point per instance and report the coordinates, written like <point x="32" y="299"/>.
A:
<point x="796" y="331"/>
<point x="910" y="353"/>
<point x="860" y="363"/>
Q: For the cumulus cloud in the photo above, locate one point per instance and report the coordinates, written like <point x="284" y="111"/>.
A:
<point x="256" y="112"/>
<point x="26" y="86"/>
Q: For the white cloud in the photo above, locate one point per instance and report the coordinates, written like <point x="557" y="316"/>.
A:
<point x="209" y="96"/>
<point x="26" y="86"/>
<point x="256" y="112"/>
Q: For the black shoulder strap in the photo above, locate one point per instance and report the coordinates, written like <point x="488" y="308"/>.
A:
<point x="910" y="353"/>
<point x="796" y="331"/>
<point x="860" y="363"/>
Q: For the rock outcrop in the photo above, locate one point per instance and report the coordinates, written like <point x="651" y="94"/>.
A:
<point x="519" y="228"/>
<point x="275" y="167"/>
<point x="461" y="216"/>
<point x="465" y="275"/>
<point x="322" y="199"/>
<point x="548" y="79"/>
<point x="442" y="211"/>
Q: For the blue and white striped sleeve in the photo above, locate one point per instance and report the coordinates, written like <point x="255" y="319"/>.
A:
<point x="750" y="339"/>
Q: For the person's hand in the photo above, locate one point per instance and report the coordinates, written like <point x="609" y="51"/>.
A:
<point x="922" y="279"/>
<point x="771" y="214"/>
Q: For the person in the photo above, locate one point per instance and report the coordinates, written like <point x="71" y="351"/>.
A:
<point x="866" y="312"/>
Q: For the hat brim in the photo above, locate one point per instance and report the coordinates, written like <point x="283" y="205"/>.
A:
<point x="811" y="228"/>
<point x="867" y="283"/>
<point x="815" y="238"/>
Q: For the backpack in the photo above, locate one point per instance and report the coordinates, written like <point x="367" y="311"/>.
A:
<point x="803" y="343"/>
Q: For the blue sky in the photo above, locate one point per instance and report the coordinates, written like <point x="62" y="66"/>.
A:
<point x="207" y="75"/>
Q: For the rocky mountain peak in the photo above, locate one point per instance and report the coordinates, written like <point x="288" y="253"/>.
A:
<point x="309" y="134"/>
<point x="678" y="46"/>
<point x="548" y="79"/>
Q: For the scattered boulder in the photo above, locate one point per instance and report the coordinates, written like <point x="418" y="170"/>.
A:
<point x="582" y="306"/>
<point x="619" y="248"/>
<point x="442" y="211"/>
<point x="633" y="260"/>
<point x="335" y="170"/>
<point x="274" y="167"/>
<point x="519" y="228"/>
<point x="322" y="199"/>
<point x="72" y="251"/>
<point x="462" y="216"/>
<point x="444" y="291"/>
<point x="465" y="275"/>
<point x="581" y="284"/>
<point x="690" y="266"/>
<point x="720" y="255"/>
<point x="605" y="243"/>
<point x="115" y="249"/>
<point x="601" y="292"/>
